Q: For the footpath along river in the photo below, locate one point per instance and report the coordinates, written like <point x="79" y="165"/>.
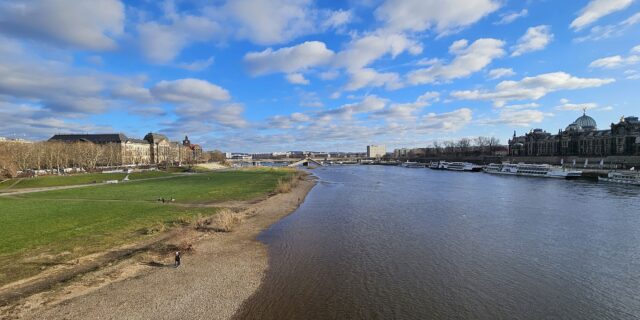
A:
<point x="373" y="242"/>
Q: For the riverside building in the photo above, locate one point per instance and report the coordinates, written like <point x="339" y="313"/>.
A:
<point x="581" y="138"/>
<point x="376" y="151"/>
<point x="153" y="149"/>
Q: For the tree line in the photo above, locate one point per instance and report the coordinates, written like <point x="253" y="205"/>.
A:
<point x="56" y="157"/>
<point x="461" y="147"/>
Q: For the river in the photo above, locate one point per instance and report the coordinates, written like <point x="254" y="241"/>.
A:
<point x="376" y="242"/>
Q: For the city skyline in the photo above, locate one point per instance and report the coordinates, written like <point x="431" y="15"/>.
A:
<point x="261" y="76"/>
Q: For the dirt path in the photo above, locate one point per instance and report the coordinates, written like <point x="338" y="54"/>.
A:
<point x="224" y="270"/>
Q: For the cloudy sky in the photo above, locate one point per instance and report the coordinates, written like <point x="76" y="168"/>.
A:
<point x="276" y="75"/>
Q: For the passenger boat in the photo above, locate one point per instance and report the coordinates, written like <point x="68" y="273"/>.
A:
<point x="410" y="164"/>
<point x="532" y="170"/>
<point x="632" y="178"/>
<point x="463" y="166"/>
<point x="438" y="165"/>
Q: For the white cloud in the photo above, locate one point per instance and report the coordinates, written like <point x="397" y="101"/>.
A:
<point x="407" y="111"/>
<point x="501" y="73"/>
<point x="91" y="25"/>
<point x="297" y="78"/>
<point x="443" y="16"/>
<point x="364" y="50"/>
<point x="329" y="75"/>
<point x="369" y="104"/>
<point x="469" y="59"/>
<point x="198" y="65"/>
<point x="521" y="118"/>
<point x="531" y="105"/>
<point x="614" y="62"/>
<point x="632" y="74"/>
<point x="445" y="122"/>
<point x="269" y="22"/>
<point x="368" y="77"/>
<point x="288" y="60"/>
<point x="34" y="123"/>
<point x="565" y="105"/>
<point x="337" y="19"/>
<point x="511" y="17"/>
<point x="536" y="38"/>
<point x="597" y="9"/>
<point x="636" y="49"/>
<point x="531" y="88"/>
<point x="189" y="91"/>
<point x="161" y="43"/>
<point x="610" y="30"/>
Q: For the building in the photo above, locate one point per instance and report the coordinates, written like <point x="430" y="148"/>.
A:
<point x="196" y="149"/>
<point x="376" y="151"/>
<point x="153" y="149"/>
<point x="581" y="138"/>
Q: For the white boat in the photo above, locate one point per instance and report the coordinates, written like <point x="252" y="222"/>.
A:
<point x="410" y="164"/>
<point x="632" y="178"/>
<point x="463" y="166"/>
<point x="532" y="170"/>
<point x="439" y="165"/>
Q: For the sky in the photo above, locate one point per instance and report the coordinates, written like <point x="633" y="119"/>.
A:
<point x="280" y="75"/>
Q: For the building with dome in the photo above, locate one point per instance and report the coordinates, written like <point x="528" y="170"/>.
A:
<point x="581" y="138"/>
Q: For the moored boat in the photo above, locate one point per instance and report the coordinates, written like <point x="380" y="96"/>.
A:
<point x="632" y="178"/>
<point x="410" y="164"/>
<point x="532" y="170"/>
<point x="439" y="165"/>
<point x="463" y="166"/>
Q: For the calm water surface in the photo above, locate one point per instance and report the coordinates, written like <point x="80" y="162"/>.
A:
<point x="373" y="242"/>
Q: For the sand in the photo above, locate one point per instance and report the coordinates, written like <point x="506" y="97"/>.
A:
<point x="216" y="277"/>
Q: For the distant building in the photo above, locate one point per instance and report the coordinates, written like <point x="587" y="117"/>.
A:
<point x="376" y="151"/>
<point x="196" y="149"/>
<point x="581" y="138"/>
<point x="153" y="149"/>
<point x="401" y="153"/>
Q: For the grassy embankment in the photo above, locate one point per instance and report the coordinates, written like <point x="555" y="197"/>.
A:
<point x="66" y="180"/>
<point x="48" y="228"/>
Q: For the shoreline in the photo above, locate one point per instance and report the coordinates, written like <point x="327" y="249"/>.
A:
<point x="217" y="276"/>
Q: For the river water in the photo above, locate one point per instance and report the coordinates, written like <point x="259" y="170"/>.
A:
<point x="375" y="242"/>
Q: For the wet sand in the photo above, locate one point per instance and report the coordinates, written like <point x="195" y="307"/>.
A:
<point x="222" y="271"/>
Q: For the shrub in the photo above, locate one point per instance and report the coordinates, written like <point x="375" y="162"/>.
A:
<point x="226" y="220"/>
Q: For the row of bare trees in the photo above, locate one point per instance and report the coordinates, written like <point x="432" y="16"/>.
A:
<point x="56" y="156"/>
<point x="465" y="146"/>
<point x="461" y="147"/>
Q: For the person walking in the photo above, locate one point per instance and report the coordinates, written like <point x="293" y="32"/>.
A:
<point x="177" y="259"/>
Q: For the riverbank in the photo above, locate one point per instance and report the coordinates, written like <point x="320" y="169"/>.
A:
<point x="219" y="272"/>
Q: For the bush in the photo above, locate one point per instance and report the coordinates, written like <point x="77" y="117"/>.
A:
<point x="287" y="184"/>
<point x="226" y="220"/>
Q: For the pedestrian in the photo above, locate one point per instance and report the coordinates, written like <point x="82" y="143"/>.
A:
<point x="177" y="259"/>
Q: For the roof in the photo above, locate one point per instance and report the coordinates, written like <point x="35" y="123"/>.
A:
<point x="95" y="138"/>
<point x="155" y="137"/>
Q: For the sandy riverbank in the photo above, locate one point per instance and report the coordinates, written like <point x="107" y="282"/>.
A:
<point x="222" y="271"/>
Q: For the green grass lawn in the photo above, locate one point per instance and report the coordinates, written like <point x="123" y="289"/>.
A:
<point x="194" y="188"/>
<point x="36" y="228"/>
<point x="67" y="180"/>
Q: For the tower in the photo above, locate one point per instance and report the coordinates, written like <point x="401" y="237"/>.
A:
<point x="186" y="141"/>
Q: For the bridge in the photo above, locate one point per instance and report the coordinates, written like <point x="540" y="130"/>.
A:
<point x="305" y="163"/>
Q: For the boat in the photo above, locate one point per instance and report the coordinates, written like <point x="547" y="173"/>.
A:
<point x="410" y="164"/>
<point x="463" y="166"/>
<point x="632" y="178"/>
<point x="532" y="170"/>
<point x="438" y="165"/>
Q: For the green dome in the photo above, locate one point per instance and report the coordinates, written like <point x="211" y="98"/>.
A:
<point x="585" y="122"/>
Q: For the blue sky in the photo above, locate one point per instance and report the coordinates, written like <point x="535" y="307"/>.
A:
<point x="277" y="75"/>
